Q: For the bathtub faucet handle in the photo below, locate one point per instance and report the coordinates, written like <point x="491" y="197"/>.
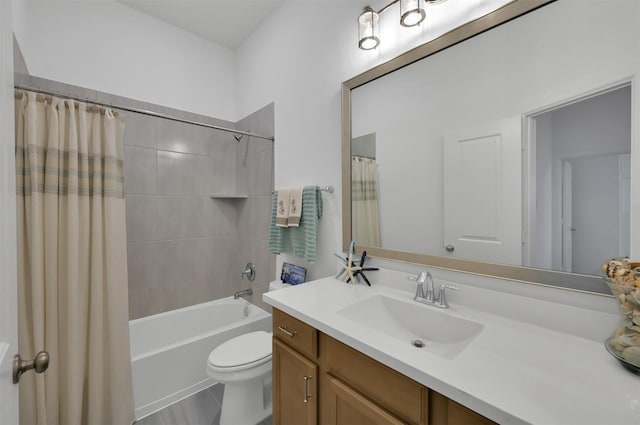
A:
<point x="249" y="271"/>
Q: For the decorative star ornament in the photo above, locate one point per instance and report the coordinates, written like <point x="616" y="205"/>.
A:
<point x="350" y="271"/>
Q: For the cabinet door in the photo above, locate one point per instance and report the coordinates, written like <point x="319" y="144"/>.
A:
<point x="348" y="407"/>
<point x="295" y="387"/>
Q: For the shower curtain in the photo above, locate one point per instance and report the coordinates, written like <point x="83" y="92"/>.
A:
<point x="72" y="264"/>
<point x="365" y="223"/>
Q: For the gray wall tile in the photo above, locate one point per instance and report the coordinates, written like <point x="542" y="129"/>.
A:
<point x="140" y="130"/>
<point x="225" y="216"/>
<point x="142" y="220"/>
<point x="252" y="220"/>
<point x="142" y="262"/>
<point x="139" y="171"/>
<point x="181" y="173"/>
<point x="181" y="217"/>
<point x="223" y="175"/>
<point x="259" y="173"/>
<point x="220" y="143"/>
<point x="176" y="136"/>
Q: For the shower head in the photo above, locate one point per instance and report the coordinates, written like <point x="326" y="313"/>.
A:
<point x="238" y="137"/>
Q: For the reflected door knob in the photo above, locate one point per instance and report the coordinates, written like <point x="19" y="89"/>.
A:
<point x="40" y="363"/>
<point x="449" y="248"/>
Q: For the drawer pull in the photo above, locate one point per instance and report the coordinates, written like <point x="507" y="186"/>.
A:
<point x="307" y="395"/>
<point x="286" y="331"/>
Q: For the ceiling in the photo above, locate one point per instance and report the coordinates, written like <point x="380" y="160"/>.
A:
<point x="226" y="22"/>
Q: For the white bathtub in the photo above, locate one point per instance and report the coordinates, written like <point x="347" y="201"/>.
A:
<point x="169" y="350"/>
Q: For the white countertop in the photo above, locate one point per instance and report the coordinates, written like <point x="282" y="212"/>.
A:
<point x="514" y="371"/>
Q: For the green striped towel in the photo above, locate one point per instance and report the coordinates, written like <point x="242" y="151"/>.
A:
<point x="300" y="241"/>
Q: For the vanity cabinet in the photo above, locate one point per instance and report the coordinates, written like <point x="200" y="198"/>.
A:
<point x="318" y="379"/>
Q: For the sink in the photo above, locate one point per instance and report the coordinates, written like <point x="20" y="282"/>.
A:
<point x="407" y="321"/>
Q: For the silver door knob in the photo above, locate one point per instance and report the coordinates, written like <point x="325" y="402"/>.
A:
<point x="449" y="248"/>
<point x="40" y="363"/>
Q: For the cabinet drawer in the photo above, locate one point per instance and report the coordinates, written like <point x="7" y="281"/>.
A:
<point x="295" y="333"/>
<point x="391" y="390"/>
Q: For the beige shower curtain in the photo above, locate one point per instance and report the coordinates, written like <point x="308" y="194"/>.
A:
<point x="72" y="264"/>
<point x="365" y="221"/>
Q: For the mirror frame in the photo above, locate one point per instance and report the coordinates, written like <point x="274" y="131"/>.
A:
<point x="564" y="280"/>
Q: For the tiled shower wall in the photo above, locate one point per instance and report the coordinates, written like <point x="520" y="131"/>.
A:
<point x="185" y="247"/>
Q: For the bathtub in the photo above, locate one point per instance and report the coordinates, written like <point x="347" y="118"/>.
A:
<point x="169" y="350"/>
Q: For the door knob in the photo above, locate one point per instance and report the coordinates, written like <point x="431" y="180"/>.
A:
<point x="40" y="363"/>
<point x="449" y="248"/>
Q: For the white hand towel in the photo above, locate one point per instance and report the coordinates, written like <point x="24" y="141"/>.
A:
<point x="282" y="213"/>
<point x="295" y="206"/>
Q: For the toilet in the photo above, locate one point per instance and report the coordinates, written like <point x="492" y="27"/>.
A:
<point x="243" y="365"/>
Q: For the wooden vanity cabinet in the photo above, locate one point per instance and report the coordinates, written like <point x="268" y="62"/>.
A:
<point x="317" y="379"/>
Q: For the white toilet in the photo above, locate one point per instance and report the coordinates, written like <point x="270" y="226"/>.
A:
<point x="243" y="365"/>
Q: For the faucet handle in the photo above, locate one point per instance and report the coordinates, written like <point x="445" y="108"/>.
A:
<point x="441" y="299"/>
<point x="420" y="278"/>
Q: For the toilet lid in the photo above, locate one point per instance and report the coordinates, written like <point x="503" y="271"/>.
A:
<point x="245" y="349"/>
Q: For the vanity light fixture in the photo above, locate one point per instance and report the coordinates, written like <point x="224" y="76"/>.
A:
<point x="412" y="13"/>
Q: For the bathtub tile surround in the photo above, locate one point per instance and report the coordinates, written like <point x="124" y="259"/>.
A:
<point x="184" y="247"/>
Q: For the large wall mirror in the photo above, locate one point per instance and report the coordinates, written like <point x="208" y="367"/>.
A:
<point x="503" y="148"/>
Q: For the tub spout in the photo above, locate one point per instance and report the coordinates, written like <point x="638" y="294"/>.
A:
<point x="242" y="293"/>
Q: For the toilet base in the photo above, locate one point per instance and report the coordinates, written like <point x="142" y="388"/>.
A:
<point x="245" y="402"/>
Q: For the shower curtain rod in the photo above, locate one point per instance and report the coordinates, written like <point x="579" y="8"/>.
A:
<point x="150" y="113"/>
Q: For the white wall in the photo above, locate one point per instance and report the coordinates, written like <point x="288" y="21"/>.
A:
<point x="109" y="47"/>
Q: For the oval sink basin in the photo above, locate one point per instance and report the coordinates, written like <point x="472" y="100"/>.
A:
<point x="407" y="321"/>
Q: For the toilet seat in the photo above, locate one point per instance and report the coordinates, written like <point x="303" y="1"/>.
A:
<point x="242" y="352"/>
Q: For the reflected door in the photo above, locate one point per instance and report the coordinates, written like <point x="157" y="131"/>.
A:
<point x="482" y="192"/>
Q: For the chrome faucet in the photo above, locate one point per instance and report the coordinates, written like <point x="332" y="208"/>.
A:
<point x="242" y="293"/>
<point x="423" y="295"/>
<point x="428" y="296"/>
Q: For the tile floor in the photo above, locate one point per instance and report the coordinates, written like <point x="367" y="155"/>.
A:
<point x="202" y="408"/>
